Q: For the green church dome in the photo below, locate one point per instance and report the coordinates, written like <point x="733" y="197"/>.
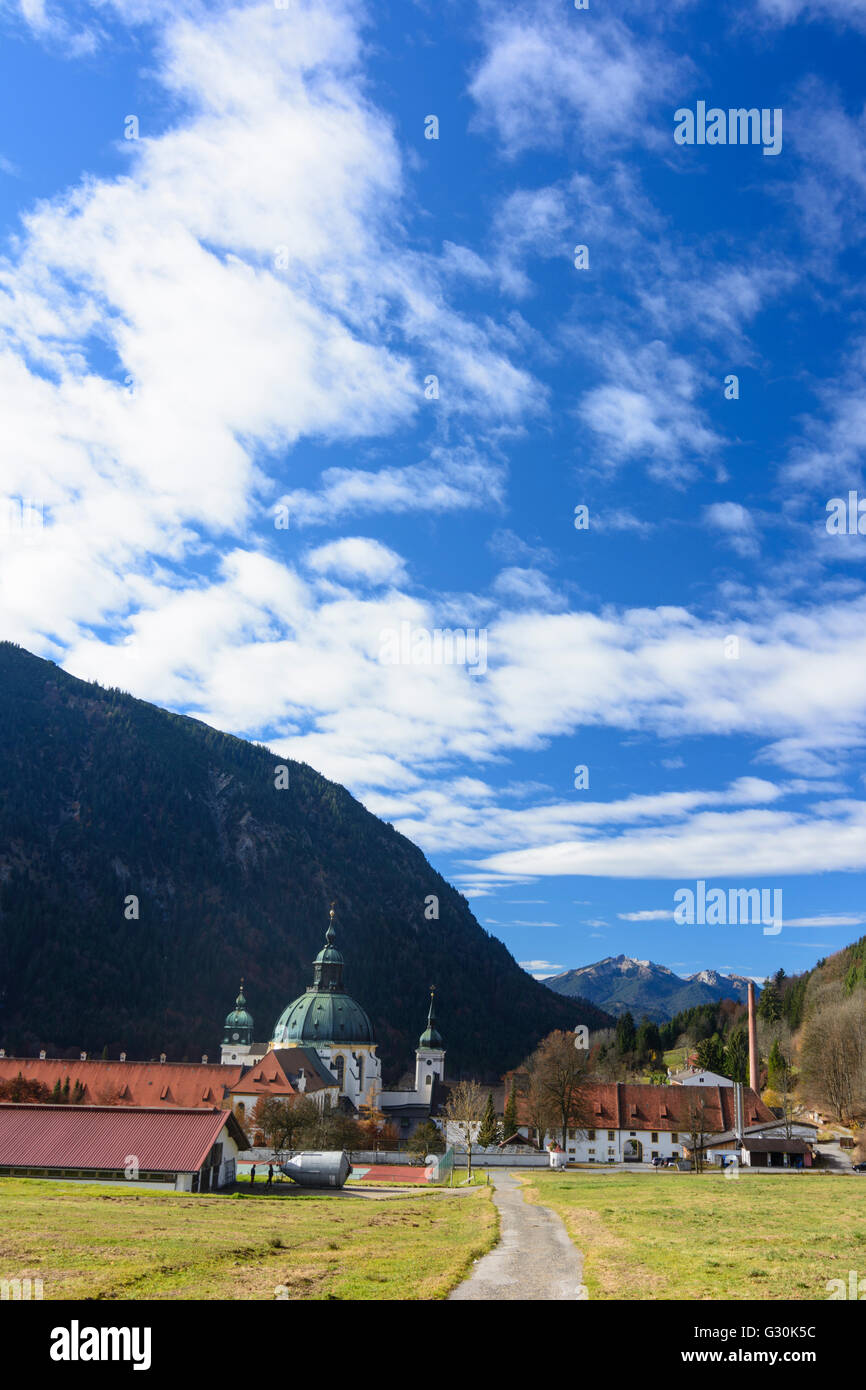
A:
<point x="324" y="1013"/>
<point x="239" y="1017"/>
<point x="320" y="1016"/>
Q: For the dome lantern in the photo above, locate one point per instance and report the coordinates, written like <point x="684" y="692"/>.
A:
<point x="430" y="1038"/>
<point x="324" y="1014"/>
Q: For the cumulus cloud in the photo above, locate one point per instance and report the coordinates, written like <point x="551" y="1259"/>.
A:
<point x="357" y="557"/>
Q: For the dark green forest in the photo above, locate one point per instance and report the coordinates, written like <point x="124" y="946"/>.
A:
<point x="104" y="796"/>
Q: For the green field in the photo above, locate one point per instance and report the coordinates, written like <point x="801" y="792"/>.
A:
<point x="86" y="1241"/>
<point x="702" y="1236"/>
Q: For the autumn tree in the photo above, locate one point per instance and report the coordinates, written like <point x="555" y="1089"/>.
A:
<point x="557" y="1075"/>
<point x="25" y="1092"/>
<point x="284" y="1123"/>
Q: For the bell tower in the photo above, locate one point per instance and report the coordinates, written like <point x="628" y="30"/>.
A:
<point x="237" y="1031"/>
<point x="429" y="1054"/>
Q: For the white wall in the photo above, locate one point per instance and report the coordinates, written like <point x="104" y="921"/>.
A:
<point x="582" y="1149"/>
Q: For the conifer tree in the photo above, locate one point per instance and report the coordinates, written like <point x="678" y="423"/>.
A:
<point x="510" y="1126"/>
<point x="489" y="1132"/>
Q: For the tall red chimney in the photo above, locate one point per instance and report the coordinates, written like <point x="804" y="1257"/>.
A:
<point x="753" y="1040"/>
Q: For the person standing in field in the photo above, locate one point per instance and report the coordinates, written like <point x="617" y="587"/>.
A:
<point x="253" y="1174"/>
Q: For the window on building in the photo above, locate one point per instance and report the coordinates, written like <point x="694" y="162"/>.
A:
<point x="655" y="1153"/>
<point x="674" y="1137"/>
<point x="361" y="1072"/>
<point x="339" y="1067"/>
<point x="632" y="1133"/>
<point x="428" y="1080"/>
<point x="654" y="1137"/>
<point x="590" y="1133"/>
<point x="611" y="1134"/>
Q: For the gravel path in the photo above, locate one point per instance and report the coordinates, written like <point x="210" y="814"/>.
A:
<point x="534" y="1258"/>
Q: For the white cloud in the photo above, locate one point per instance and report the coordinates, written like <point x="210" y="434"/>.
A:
<point x="828" y="919"/>
<point x="648" y="409"/>
<point x="735" y="845"/>
<point x="357" y="557"/>
<point x="648" y="915"/>
<point x="548" y="72"/>
<point x="232" y="331"/>
<point x="736" y="524"/>
<point x="518" y="586"/>
<point x="785" y="12"/>
<point x="452" y="479"/>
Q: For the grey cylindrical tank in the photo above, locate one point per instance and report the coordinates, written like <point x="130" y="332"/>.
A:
<point x="324" y="1169"/>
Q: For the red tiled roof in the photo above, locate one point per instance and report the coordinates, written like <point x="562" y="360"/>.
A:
<point x="176" y="1085"/>
<point x="106" y="1137"/>
<point x="620" y="1105"/>
<point x="267" y="1077"/>
<point x="296" y="1059"/>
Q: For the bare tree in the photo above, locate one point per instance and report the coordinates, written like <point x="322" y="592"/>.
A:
<point x="833" y="1053"/>
<point x="697" y="1127"/>
<point x="783" y="1074"/>
<point x="464" y="1109"/>
<point x="537" y="1105"/>
<point x="562" y="1071"/>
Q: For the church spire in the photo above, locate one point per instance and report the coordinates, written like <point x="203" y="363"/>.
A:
<point x="430" y="1037"/>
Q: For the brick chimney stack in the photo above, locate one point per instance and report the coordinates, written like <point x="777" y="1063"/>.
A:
<point x="753" y="1040"/>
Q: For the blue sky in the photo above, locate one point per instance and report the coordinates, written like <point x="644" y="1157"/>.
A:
<point x="229" y="321"/>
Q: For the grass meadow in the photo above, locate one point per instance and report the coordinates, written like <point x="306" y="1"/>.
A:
<point x="90" y="1242"/>
<point x="671" y="1235"/>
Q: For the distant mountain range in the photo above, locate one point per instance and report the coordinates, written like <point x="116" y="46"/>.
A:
<point x="619" y="984"/>
<point x="103" y="796"/>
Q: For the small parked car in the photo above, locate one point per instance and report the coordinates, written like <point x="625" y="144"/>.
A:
<point x="859" y="1167"/>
